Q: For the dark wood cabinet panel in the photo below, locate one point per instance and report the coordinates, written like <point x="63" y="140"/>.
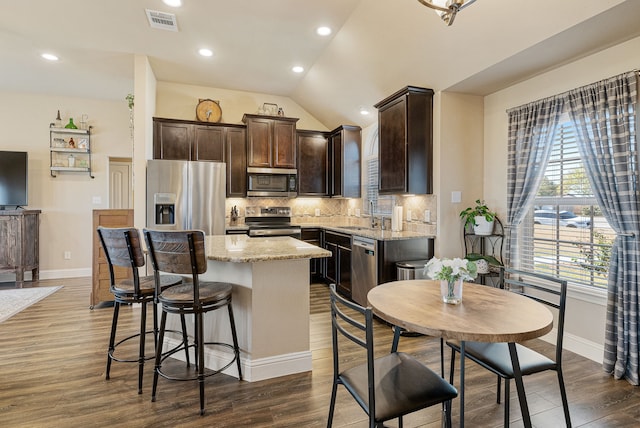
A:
<point x="346" y="142"/>
<point x="313" y="163"/>
<point x="337" y="268"/>
<point x="172" y="140"/>
<point x="405" y="147"/>
<point x="271" y="141"/>
<point x="259" y="142"/>
<point x="312" y="236"/>
<point x="208" y="143"/>
<point x="236" y="158"/>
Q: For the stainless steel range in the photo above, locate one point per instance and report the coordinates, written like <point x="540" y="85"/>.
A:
<point x="270" y="221"/>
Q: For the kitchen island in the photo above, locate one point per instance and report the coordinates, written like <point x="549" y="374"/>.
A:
<point x="270" y="303"/>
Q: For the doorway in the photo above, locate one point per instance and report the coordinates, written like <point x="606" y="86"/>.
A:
<point x="120" y="183"/>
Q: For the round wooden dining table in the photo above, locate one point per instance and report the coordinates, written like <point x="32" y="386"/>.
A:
<point x="486" y="314"/>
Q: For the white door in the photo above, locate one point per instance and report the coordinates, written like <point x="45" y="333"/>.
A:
<point x="120" y="191"/>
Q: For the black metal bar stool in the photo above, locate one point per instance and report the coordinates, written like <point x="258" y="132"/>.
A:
<point x="122" y="248"/>
<point x="183" y="252"/>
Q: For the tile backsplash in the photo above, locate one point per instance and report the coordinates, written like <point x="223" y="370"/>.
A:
<point x="310" y="210"/>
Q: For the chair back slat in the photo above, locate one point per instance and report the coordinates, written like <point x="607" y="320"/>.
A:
<point x="545" y="289"/>
<point x="119" y="252"/>
<point x="172" y="252"/>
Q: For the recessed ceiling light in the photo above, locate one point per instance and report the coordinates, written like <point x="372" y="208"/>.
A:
<point x="173" y="3"/>
<point x="323" y="31"/>
<point x="205" y="52"/>
<point x="364" y="111"/>
<point x="297" y="69"/>
<point x="49" y="57"/>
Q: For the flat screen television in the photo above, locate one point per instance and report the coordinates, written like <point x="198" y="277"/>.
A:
<point x="13" y="179"/>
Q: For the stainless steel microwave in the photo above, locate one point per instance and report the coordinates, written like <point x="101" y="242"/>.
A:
<point x="272" y="182"/>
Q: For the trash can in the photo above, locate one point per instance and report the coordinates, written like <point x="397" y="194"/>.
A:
<point x="411" y="269"/>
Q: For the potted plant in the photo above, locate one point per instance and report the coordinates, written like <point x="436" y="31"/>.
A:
<point x="483" y="262"/>
<point x="480" y="217"/>
<point x="451" y="273"/>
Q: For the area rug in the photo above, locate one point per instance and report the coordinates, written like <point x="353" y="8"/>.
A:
<point x="17" y="299"/>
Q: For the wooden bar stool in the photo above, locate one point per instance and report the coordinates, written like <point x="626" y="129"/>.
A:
<point x="183" y="252"/>
<point x="122" y="247"/>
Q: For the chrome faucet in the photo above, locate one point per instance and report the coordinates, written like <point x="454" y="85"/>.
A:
<point x="373" y="219"/>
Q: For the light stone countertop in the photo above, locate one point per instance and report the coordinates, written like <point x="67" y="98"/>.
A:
<point x="243" y="249"/>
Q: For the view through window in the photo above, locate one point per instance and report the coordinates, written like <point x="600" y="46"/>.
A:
<point x="567" y="235"/>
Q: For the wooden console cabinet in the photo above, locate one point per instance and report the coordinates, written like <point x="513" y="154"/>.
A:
<point x="101" y="281"/>
<point x="20" y="249"/>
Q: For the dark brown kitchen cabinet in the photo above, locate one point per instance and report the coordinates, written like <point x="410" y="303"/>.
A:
<point x="194" y="141"/>
<point x="312" y="236"/>
<point x="184" y="140"/>
<point x="208" y="143"/>
<point x="346" y="161"/>
<point x="172" y="139"/>
<point x="337" y="268"/>
<point x="271" y="141"/>
<point x="405" y="146"/>
<point x="236" y="159"/>
<point x="313" y="163"/>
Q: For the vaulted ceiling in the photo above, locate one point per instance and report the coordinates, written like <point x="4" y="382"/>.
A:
<point x="377" y="46"/>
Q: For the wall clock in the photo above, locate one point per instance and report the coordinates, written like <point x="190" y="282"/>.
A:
<point x="208" y="111"/>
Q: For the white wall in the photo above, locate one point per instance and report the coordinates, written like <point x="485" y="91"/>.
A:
<point x="585" y="311"/>
<point x="65" y="201"/>
<point x="458" y="165"/>
<point x="178" y="101"/>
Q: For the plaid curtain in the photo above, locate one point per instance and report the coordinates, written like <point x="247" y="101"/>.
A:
<point x="532" y="128"/>
<point x="605" y="115"/>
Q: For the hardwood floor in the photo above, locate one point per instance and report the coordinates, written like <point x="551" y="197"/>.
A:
<point x="53" y="354"/>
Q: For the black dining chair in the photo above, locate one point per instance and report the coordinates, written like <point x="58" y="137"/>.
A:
<point x="122" y="248"/>
<point x="386" y="387"/>
<point x="496" y="358"/>
<point x="183" y="252"/>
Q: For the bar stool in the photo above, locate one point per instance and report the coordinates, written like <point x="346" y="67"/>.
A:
<point x="183" y="252"/>
<point x="122" y="248"/>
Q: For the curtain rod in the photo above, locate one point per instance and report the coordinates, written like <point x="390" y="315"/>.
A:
<point x="562" y="94"/>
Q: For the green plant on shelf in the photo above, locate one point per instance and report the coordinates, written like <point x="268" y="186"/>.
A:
<point x="469" y="214"/>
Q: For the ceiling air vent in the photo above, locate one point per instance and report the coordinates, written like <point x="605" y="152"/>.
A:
<point x="162" y="20"/>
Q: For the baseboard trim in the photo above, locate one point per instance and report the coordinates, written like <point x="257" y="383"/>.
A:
<point x="579" y="345"/>
<point x="50" y="274"/>
<point x="252" y="370"/>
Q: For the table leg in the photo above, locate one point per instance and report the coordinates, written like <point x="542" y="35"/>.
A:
<point x="461" y="395"/>
<point x="517" y="374"/>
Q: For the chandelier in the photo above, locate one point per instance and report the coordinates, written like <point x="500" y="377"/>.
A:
<point x="447" y="9"/>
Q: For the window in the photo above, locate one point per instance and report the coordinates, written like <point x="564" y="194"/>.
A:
<point x="566" y="233"/>
<point x="381" y="204"/>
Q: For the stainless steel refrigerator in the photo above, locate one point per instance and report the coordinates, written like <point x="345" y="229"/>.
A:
<point x="186" y="195"/>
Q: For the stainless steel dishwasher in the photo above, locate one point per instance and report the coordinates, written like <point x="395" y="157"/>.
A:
<point x="364" y="268"/>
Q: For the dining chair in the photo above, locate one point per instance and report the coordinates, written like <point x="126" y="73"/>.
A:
<point x="183" y="252"/>
<point x="386" y="387"/>
<point x="122" y="248"/>
<point x="496" y="358"/>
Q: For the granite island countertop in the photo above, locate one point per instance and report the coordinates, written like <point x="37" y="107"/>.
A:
<point x="243" y="249"/>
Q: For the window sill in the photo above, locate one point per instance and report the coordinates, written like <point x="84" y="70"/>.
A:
<point x="593" y="295"/>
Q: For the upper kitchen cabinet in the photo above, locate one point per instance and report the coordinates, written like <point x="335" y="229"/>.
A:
<point x="236" y="159"/>
<point x="405" y="146"/>
<point x="195" y="141"/>
<point x="346" y="161"/>
<point x="313" y="163"/>
<point x="271" y="141"/>
<point x="184" y="140"/>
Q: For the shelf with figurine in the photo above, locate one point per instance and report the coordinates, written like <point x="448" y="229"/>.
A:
<point x="70" y="147"/>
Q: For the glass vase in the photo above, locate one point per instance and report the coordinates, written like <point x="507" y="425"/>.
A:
<point x="451" y="291"/>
